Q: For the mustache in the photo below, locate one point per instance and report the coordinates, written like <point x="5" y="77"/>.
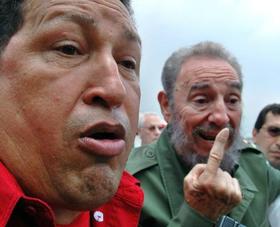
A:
<point x="189" y="158"/>
<point x="212" y="127"/>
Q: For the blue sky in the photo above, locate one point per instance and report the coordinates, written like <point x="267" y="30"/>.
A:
<point x="250" y="29"/>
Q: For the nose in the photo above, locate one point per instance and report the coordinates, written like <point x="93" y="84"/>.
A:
<point x="157" y="131"/>
<point x="105" y="84"/>
<point x="219" y="115"/>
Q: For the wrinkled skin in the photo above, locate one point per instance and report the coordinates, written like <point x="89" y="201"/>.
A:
<point x="208" y="189"/>
<point x="207" y="99"/>
<point x="207" y="96"/>
<point x="72" y="67"/>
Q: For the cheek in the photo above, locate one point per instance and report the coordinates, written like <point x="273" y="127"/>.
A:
<point x="51" y="101"/>
<point x="132" y="103"/>
<point x="262" y="140"/>
<point x="188" y="128"/>
<point x="149" y="134"/>
<point x="236" y="118"/>
<point x="191" y="119"/>
<point x="45" y="124"/>
<point x="269" y="142"/>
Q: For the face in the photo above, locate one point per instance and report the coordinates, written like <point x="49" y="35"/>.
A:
<point x="268" y="138"/>
<point x="69" y="93"/>
<point x="207" y="98"/>
<point x="152" y="128"/>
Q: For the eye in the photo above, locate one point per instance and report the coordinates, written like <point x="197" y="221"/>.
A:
<point x="68" y="49"/>
<point x="129" y="64"/>
<point x="234" y="100"/>
<point x="152" y="128"/>
<point x="200" y="100"/>
<point x="273" y="131"/>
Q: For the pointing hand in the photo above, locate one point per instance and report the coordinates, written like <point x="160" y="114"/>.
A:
<point x="209" y="190"/>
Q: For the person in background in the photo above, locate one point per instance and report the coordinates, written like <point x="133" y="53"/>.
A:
<point x="199" y="172"/>
<point x="69" y="94"/>
<point x="150" y="126"/>
<point x="266" y="135"/>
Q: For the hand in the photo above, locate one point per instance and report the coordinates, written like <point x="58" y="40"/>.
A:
<point x="209" y="190"/>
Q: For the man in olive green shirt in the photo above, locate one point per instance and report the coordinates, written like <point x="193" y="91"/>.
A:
<point x="198" y="171"/>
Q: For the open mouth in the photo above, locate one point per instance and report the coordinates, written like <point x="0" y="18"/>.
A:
<point x="104" y="136"/>
<point x="103" y="139"/>
<point x="206" y="136"/>
<point x="105" y="132"/>
<point x="210" y="134"/>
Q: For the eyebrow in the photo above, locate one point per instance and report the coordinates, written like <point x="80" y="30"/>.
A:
<point x="205" y="85"/>
<point x="87" y="20"/>
<point x="80" y="18"/>
<point x="235" y="84"/>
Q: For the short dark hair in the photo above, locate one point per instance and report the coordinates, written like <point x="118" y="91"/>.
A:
<point x="273" y="108"/>
<point x="11" y="18"/>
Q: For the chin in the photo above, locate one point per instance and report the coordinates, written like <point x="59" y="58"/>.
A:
<point x="203" y="151"/>
<point x="89" y="189"/>
<point x="92" y="199"/>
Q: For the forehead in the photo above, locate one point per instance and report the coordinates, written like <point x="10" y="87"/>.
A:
<point x="88" y="11"/>
<point x="272" y="119"/>
<point x="206" y="69"/>
<point x="152" y="119"/>
<point x="34" y="5"/>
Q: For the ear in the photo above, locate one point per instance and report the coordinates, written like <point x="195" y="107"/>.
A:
<point x="164" y="106"/>
<point x="254" y="133"/>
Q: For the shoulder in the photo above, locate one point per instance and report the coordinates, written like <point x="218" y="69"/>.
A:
<point x="141" y="158"/>
<point x="251" y="154"/>
<point x="249" y="145"/>
<point x="253" y="161"/>
<point x="250" y="149"/>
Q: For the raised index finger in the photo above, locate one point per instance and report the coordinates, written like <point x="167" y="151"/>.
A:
<point x="217" y="152"/>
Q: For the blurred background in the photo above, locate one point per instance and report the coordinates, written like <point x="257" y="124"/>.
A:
<point x="250" y="29"/>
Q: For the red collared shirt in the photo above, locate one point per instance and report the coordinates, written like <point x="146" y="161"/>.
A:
<point x="19" y="210"/>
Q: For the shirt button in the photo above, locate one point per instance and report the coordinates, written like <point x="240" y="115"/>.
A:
<point x="98" y="216"/>
<point x="149" y="154"/>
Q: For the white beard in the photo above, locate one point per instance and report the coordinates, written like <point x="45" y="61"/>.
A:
<point x="190" y="158"/>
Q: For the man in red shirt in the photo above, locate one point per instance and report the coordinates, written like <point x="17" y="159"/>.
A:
<point x="69" y="93"/>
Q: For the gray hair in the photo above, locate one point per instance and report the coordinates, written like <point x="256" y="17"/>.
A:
<point x="174" y="63"/>
<point x="142" y="117"/>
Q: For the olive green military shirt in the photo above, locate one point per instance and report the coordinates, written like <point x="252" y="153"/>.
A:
<point x="161" y="176"/>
